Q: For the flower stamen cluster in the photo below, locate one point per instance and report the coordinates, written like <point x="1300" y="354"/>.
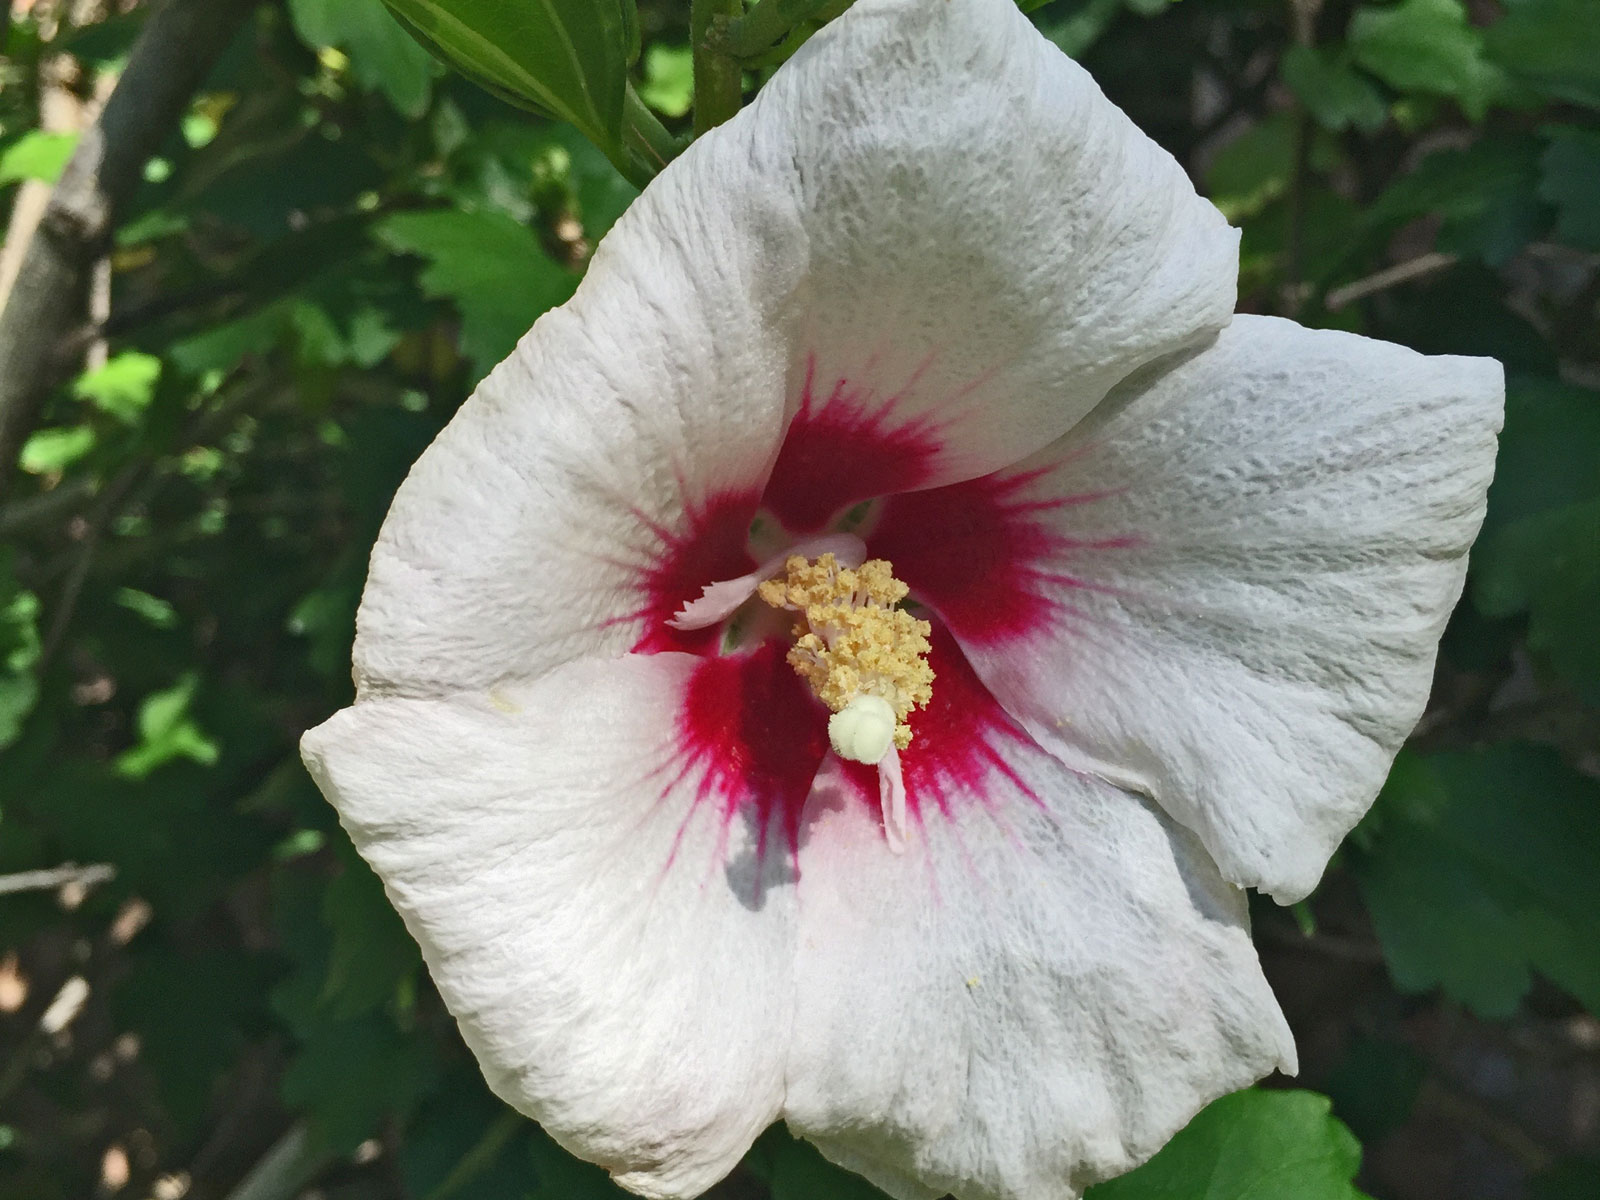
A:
<point x="864" y="656"/>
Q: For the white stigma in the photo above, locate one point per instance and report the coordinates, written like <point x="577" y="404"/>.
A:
<point x="863" y="730"/>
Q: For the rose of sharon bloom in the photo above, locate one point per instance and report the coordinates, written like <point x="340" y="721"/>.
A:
<point x="932" y="848"/>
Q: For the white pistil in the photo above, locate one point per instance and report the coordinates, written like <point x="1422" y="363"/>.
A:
<point x="863" y="730"/>
<point x="865" y="658"/>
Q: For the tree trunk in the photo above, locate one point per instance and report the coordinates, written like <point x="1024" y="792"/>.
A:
<point x="171" y="58"/>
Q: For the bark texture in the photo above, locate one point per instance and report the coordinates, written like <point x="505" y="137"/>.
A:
<point x="171" y="58"/>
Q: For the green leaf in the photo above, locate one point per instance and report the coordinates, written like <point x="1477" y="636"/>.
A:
<point x="153" y="609"/>
<point x="1252" y="1145"/>
<point x="1549" y="450"/>
<point x="1478" y="869"/>
<point x="48" y="451"/>
<point x="602" y="194"/>
<point x="491" y="267"/>
<point x="1427" y="47"/>
<point x="1375" y="1088"/>
<point x="1571" y="182"/>
<point x="1254" y="169"/>
<point x="1076" y="30"/>
<point x="1484" y="197"/>
<point x="371" y="954"/>
<point x="351" y="1074"/>
<point x="1336" y="95"/>
<point x="568" y="58"/>
<point x="123" y="387"/>
<point x="466" y="1145"/>
<point x="560" y="1176"/>
<point x="327" y="617"/>
<point x="194" y="1013"/>
<point x="668" y="79"/>
<point x="167" y="732"/>
<point x="1548" y="566"/>
<point x="19" y="651"/>
<point x="799" y="1172"/>
<point x="1538" y="551"/>
<point x="1551" y="45"/>
<point x="221" y="346"/>
<point x="37" y="155"/>
<point x="382" y="55"/>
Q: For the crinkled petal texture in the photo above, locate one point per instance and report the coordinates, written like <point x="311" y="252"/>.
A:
<point x="927" y="248"/>
<point x="531" y="531"/>
<point x="615" y="961"/>
<point x="1234" y="576"/>
<point x="992" y="244"/>
<point x="1035" y="996"/>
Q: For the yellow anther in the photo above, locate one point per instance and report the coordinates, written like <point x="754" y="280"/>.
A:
<point x="851" y="641"/>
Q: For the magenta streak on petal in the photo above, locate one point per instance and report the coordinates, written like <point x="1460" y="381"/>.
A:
<point x="712" y="547"/>
<point x="847" y="448"/>
<point x="752" y="736"/>
<point x="955" y="757"/>
<point x="985" y="556"/>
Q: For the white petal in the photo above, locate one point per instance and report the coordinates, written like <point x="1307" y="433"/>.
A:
<point x="992" y="243"/>
<point x="892" y="800"/>
<point x="1262" y="547"/>
<point x="523" y="536"/>
<point x="617" y="981"/>
<point x="930" y="207"/>
<point x="1034" y="995"/>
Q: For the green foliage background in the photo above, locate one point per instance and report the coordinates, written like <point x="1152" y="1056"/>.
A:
<point x="343" y="236"/>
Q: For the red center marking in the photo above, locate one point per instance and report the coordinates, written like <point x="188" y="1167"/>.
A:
<point x="712" y="548"/>
<point x="984" y="555"/>
<point x="753" y="737"/>
<point x="846" y="449"/>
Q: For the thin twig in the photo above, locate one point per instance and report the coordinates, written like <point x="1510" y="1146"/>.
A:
<point x="1414" y="268"/>
<point x="481" y="1156"/>
<point x="105" y="511"/>
<point x="293" y="1161"/>
<point x="32" y="512"/>
<point x="148" y="474"/>
<point x="57" y="877"/>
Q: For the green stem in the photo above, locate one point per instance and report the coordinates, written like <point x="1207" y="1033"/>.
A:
<point x="767" y="24"/>
<point x="718" y="76"/>
<point x="647" y="146"/>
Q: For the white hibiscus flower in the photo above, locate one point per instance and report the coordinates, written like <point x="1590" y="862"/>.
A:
<point x="931" y="301"/>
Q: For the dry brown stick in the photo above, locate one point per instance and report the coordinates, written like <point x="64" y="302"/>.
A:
<point x="170" y="59"/>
